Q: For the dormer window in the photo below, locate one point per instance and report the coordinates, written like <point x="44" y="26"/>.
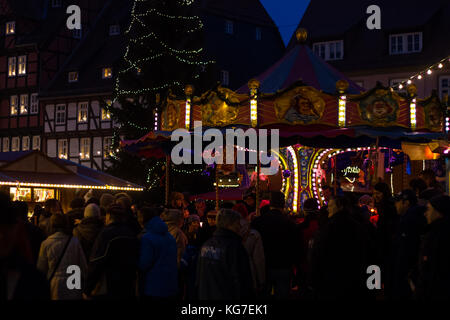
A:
<point x="107" y="73"/>
<point x="405" y="43"/>
<point x="329" y="50"/>
<point x="56" y="3"/>
<point x="114" y="30"/>
<point x="10" y="27"/>
<point x="73" y="76"/>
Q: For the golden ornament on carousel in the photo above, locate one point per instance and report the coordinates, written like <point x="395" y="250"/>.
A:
<point x="301" y="34"/>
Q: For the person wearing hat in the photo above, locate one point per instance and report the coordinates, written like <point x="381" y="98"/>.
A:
<point x="89" y="228"/>
<point x="434" y="259"/>
<point x="405" y="244"/>
<point x="174" y="220"/>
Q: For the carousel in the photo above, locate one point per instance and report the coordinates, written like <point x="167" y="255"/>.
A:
<point x="334" y="136"/>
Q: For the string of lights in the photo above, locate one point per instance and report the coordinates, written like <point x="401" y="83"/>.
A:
<point x="420" y="75"/>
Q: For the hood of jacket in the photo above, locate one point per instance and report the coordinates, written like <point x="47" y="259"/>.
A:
<point x="156" y="225"/>
<point x="89" y="228"/>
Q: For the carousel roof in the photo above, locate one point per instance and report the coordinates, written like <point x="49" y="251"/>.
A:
<point x="301" y="63"/>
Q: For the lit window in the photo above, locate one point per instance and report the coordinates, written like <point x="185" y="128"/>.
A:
<point x="25" y="143"/>
<point x="85" y="148"/>
<point x="20" y="194"/>
<point x="22" y="65"/>
<point x="42" y="195"/>
<point x="11" y="27"/>
<point x="330" y="50"/>
<point x="15" y="142"/>
<point x="229" y="27"/>
<point x="106" y="73"/>
<point x="106" y="115"/>
<point x="258" y="34"/>
<point x="36" y="142"/>
<point x="444" y="86"/>
<point x="34" y="104"/>
<point x="23" y="104"/>
<point x="12" y="66"/>
<point x="62" y="149"/>
<point x="13" y="105"/>
<point x="61" y="114"/>
<point x="83" y="112"/>
<point x="73" y="76"/>
<point x="114" y="30"/>
<point x="5" y="145"/>
<point x="405" y="43"/>
<point x="56" y="3"/>
<point x="107" y="144"/>
<point x="225" y="77"/>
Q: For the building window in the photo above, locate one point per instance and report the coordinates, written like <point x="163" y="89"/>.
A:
<point x="330" y="50"/>
<point x="107" y="144"/>
<point x="11" y="27"/>
<point x="34" y="106"/>
<point x="83" y="112"/>
<point x="77" y="33"/>
<point x="25" y="143"/>
<point x="73" y="76"/>
<point x="444" y="86"/>
<point x="13" y="105"/>
<point x="258" y="34"/>
<point x="12" y="66"/>
<point x="60" y="114"/>
<point x="106" y="73"/>
<point x="15" y="144"/>
<point x="36" y="143"/>
<point x="114" y="30"/>
<point x="22" y="65"/>
<point x="106" y="115"/>
<point x="56" y="3"/>
<point x="62" y="149"/>
<point x="405" y="43"/>
<point x="229" y="26"/>
<point x="5" y="147"/>
<point x="85" y="148"/>
<point x="225" y="77"/>
<point x="23" y="104"/>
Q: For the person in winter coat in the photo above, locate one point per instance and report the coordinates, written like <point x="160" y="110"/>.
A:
<point x="434" y="259"/>
<point x="89" y="228"/>
<point x="223" y="270"/>
<point x="253" y="244"/>
<point x="339" y="256"/>
<point x="406" y="243"/>
<point x="19" y="278"/>
<point x="174" y="220"/>
<point x="157" y="259"/>
<point x="61" y="247"/>
<point x="112" y="266"/>
<point x="281" y="243"/>
<point x="51" y="206"/>
<point x="76" y="214"/>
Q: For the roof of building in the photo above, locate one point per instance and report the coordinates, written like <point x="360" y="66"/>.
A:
<point x="33" y="168"/>
<point x="95" y="51"/>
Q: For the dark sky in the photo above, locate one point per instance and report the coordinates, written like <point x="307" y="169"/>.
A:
<point x="286" y="14"/>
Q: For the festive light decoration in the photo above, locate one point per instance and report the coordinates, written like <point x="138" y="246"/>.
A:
<point x="296" y="179"/>
<point x="412" y="112"/>
<point x="447" y="124"/>
<point x="67" y="186"/>
<point x="429" y="70"/>
<point x="342" y="105"/>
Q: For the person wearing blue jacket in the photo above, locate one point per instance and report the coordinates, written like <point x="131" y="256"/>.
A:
<point x="158" y="258"/>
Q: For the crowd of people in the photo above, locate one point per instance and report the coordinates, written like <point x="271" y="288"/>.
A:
<point x="187" y="251"/>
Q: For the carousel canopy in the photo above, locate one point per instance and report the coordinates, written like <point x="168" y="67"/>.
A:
<point x="300" y="63"/>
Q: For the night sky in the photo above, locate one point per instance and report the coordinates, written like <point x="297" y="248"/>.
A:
<point x="286" y="14"/>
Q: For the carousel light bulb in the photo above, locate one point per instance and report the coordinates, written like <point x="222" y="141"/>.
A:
<point x="429" y="71"/>
<point x="419" y="76"/>
<point x="409" y="81"/>
<point x="440" y="65"/>
<point x="400" y="86"/>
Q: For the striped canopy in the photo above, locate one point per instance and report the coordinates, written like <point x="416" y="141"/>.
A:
<point x="301" y="63"/>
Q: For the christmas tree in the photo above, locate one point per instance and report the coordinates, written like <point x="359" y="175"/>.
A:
<point x="163" y="54"/>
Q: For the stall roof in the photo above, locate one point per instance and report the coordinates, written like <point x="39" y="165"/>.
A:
<point x="35" y="169"/>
